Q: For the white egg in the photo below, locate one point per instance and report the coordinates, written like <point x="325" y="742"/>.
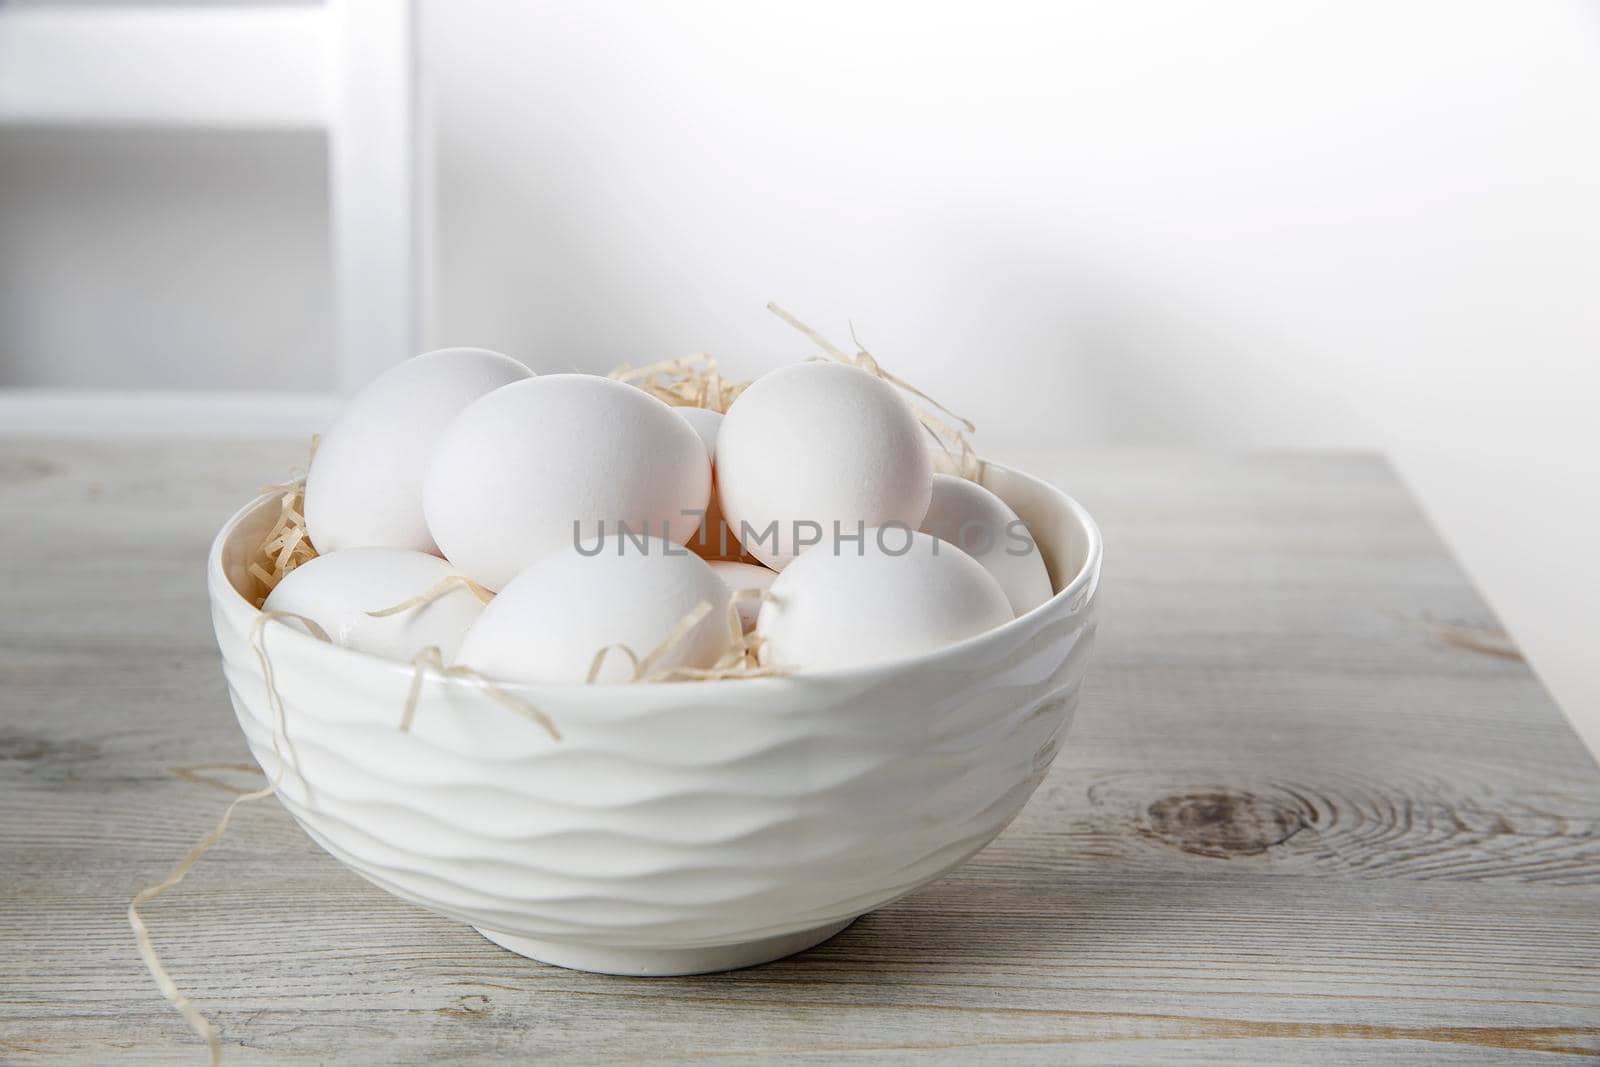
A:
<point x="714" y="540"/>
<point x="738" y="577"/>
<point x="903" y="593"/>
<point x="338" y="590"/>
<point x="982" y="525"/>
<point x="814" y="445"/>
<point x="365" y="483"/>
<point x="706" y="423"/>
<point x="548" y="623"/>
<point x="539" y="465"/>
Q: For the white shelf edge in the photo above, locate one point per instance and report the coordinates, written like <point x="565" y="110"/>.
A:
<point x="92" y="414"/>
<point x="246" y="67"/>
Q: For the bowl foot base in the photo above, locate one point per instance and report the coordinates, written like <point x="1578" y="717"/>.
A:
<point x="664" y="961"/>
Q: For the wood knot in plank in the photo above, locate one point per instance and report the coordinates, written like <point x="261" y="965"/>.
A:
<point x="42" y="751"/>
<point x="1222" y="823"/>
<point x="1484" y="640"/>
<point x="18" y="471"/>
<point x="471" y="1006"/>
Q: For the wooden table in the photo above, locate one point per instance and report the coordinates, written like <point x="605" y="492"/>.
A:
<point x="1314" y="806"/>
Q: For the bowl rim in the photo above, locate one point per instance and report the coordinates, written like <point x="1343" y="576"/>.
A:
<point x="1087" y="574"/>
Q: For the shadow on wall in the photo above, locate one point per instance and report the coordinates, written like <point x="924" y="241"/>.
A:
<point x="1021" y="327"/>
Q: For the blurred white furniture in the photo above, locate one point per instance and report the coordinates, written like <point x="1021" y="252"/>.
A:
<point x="348" y="67"/>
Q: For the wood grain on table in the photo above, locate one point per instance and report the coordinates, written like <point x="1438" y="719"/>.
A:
<point x="1314" y="806"/>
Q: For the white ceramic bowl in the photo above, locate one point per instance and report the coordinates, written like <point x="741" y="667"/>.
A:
<point x="675" y="828"/>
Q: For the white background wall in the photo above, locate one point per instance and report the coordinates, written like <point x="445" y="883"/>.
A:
<point x="1226" y="224"/>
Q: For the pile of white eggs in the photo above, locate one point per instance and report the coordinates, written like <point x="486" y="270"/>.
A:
<point x="600" y="516"/>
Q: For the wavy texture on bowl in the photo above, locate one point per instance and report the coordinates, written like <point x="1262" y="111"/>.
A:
<point x="675" y="827"/>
